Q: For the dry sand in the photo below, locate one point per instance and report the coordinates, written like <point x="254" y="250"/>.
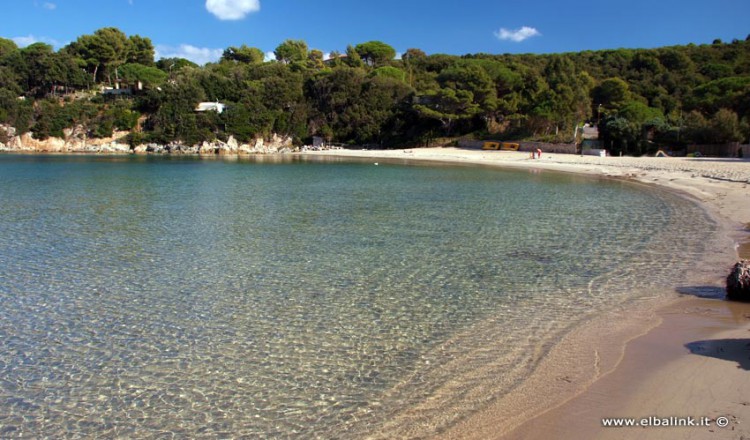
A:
<point x="687" y="358"/>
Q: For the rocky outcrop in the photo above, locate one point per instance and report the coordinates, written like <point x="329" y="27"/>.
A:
<point x="277" y="144"/>
<point x="738" y="282"/>
<point x="76" y="141"/>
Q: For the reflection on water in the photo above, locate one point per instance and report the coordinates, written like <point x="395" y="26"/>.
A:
<point x="164" y="297"/>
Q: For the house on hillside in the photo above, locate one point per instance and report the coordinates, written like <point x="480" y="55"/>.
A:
<point x="217" y="107"/>
<point x="590" y="137"/>
<point x="334" y="59"/>
<point x="120" y="89"/>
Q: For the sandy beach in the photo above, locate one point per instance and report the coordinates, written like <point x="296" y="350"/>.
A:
<point x="682" y="361"/>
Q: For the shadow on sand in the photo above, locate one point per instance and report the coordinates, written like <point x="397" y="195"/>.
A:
<point x="733" y="350"/>
<point x="711" y="292"/>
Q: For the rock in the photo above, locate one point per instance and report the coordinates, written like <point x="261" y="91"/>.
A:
<point x="8" y="130"/>
<point x="49" y="145"/>
<point x="77" y="140"/>
<point x="245" y="149"/>
<point x="154" y="148"/>
<point x="207" y="148"/>
<point x="230" y="147"/>
<point x="278" y="143"/>
<point x="114" y="147"/>
<point x="232" y="144"/>
<point x="259" y="146"/>
<point x="738" y="282"/>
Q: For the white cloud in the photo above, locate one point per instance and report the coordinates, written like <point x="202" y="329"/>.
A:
<point x="49" y="6"/>
<point x="31" y="39"/>
<point x="198" y="55"/>
<point x="517" y="35"/>
<point x="232" y="9"/>
<point x="25" y="41"/>
<point x="269" y="56"/>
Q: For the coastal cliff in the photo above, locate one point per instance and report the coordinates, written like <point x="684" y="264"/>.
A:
<point x="76" y="141"/>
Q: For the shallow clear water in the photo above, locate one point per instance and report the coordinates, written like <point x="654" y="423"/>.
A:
<point x="186" y="298"/>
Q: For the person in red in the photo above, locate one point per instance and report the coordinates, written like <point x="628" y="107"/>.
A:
<point x="538" y="153"/>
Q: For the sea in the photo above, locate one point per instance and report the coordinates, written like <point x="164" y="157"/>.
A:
<point x="303" y="298"/>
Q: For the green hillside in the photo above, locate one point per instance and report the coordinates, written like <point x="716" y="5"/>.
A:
<point x="640" y="98"/>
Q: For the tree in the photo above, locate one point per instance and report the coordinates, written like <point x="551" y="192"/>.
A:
<point x="413" y="54"/>
<point x="410" y="59"/>
<point x="725" y="127"/>
<point x="71" y="74"/>
<point x="673" y="59"/>
<point x="107" y="49"/>
<point x="447" y="105"/>
<point x="86" y="49"/>
<point x="640" y="113"/>
<point x="353" y="59"/>
<point x="390" y="72"/>
<point x="473" y="79"/>
<point x="730" y="93"/>
<point x="283" y="96"/>
<point x="463" y="92"/>
<point x="612" y="93"/>
<point x="696" y="128"/>
<point x="174" y="117"/>
<point x="114" y="49"/>
<point x="628" y="130"/>
<point x="350" y="106"/>
<point x="243" y="55"/>
<point x="291" y="51"/>
<point x="315" y="59"/>
<point x="621" y="135"/>
<point x="335" y="59"/>
<point x="567" y="97"/>
<point x="375" y="53"/>
<point x="7" y="47"/>
<point x="149" y="76"/>
<point x="43" y="70"/>
<point x="141" y="51"/>
<point x="9" y="81"/>
<point x="386" y="103"/>
<point x="173" y="65"/>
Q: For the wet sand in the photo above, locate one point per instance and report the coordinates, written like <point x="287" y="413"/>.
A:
<point x="688" y="356"/>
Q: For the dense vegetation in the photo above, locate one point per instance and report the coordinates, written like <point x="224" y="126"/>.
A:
<point x="641" y="99"/>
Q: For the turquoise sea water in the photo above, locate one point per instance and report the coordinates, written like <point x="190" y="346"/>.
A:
<point x="188" y="298"/>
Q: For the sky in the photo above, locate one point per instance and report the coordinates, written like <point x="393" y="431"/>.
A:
<point x="201" y="29"/>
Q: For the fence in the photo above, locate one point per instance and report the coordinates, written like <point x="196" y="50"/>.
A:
<point x="731" y="149"/>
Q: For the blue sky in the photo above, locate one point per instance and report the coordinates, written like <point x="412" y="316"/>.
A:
<point x="201" y="29"/>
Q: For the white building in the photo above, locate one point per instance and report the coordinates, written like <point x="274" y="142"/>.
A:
<point x="211" y="107"/>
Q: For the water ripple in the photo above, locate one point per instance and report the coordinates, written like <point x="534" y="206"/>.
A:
<point x="187" y="298"/>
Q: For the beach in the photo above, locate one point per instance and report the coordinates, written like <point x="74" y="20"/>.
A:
<point x="683" y="361"/>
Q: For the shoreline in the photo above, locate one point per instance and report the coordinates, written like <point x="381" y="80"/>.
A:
<point x="684" y="356"/>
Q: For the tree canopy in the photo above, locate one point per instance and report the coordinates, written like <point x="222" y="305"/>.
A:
<point x="375" y="53"/>
<point x="641" y="98"/>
